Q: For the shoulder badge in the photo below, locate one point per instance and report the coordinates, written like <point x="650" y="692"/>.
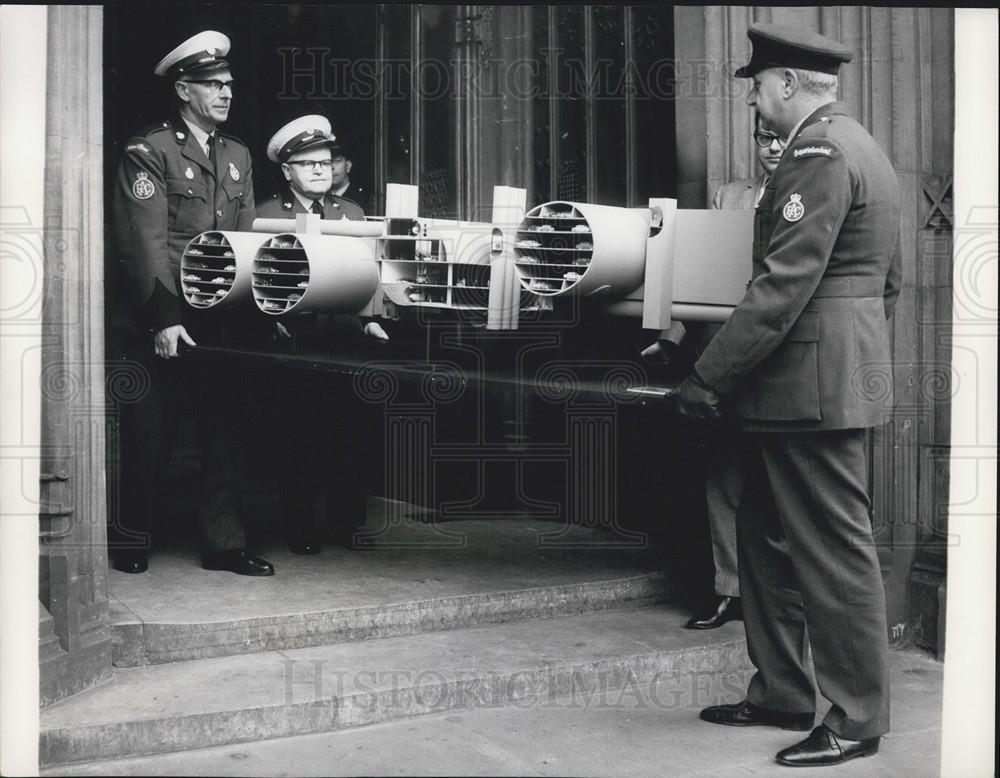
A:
<point x="138" y="147"/>
<point x="794" y="209"/>
<point x="233" y="172"/>
<point x="813" y="151"/>
<point x="143" y="188"/>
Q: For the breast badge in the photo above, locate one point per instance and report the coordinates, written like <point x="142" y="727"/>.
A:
<point x="189" y="173"/>
<point x="233" y="172"/>
<point x="143" y="188"/>
<point x="794" y="209"/>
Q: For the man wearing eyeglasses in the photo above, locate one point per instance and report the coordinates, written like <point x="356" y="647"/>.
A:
<point x="320" y="452"/>
<point x="745" y="194"/>
<point x="305" y="148"/>
<point x="176" y="179"/>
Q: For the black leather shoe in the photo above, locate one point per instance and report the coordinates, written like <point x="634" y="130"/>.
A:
<point x="823" y="747"/>
<point x="131" y="561"/>
<point x="305" y="547"/>
<point x="746" y="714"/>
<point x="237" y="561"/>
<point x="726" y="609"/>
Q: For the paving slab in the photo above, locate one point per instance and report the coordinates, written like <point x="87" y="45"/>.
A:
<point x="652" y="730"/>
<point x="244" y="698"/>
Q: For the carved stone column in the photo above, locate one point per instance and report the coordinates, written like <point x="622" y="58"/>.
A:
<point x="900" y="86"/>
<point x="74" y="569"/>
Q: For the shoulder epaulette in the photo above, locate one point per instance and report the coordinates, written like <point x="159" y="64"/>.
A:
<point x="151" y="129"/>
<point x="284" y="199"/>
<point x="228" y="136"/>
<point x="346" y="200"/>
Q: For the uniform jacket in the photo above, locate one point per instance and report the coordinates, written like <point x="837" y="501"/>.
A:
<point x="316" y="330"/>
<point x="808" y="346"/>
<point x="356" y="194"/>
<point x="166" y="192"/>
<point x="286" y="206"/>
<point x="737" y="195"/>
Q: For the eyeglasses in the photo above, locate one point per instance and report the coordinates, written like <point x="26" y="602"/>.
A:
<point x="214" y="85"/>
<point x="765" y="139"/>
<point x="326" y="164"/>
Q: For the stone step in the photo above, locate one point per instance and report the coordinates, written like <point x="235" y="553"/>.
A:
<point x="138" y="643"/>
<point x="420" y="577"/>
<point x="237" y="699"/>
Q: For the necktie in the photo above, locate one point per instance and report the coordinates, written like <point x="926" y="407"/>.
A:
<point x="211" y="147"/>
<point x="317" y="208"/>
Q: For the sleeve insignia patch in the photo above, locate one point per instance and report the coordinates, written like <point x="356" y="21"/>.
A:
<point x="794" y="209"/>
<point x="812" y="151"/>
<point x="138" y="147"/>
<point x="143" y="188"/>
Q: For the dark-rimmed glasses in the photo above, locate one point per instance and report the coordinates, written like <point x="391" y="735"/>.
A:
<point x="765" y="139"/>
<point x="214" y="85"/>
<point x="326" y="164"/>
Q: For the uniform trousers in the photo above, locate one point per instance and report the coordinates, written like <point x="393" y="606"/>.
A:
<point x="807" y="563"/>
<point x="148" y="420"/>
<point x="723" y="487"/>
<point x="324" y="445"/>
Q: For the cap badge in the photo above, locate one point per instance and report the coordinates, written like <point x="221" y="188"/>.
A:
<point x="794" y="209"/>
<point x="189" y="172"/>
<point x="233" y="172"/>
<point x="143" y="188"/>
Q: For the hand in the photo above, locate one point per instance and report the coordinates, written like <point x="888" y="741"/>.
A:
<point x="659" y="353"/>
<point x="697" y="400"/>
<point x="165" y="341"/>
<point x="282" y="330"/>
<point x="374" y="330"/>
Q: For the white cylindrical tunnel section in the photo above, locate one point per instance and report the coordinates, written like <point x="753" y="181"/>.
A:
<point x="216" y="268"/>
<point x="581" y="248"/>
<point x="313" y="274"/>
<point x="347" y="227"/>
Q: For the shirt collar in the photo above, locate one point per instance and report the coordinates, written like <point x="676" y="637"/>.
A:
<point x="339" y="191"/>
<point x="764" y="178"/>
<point x="306" y="202"/>
<point x="199" y="134"/>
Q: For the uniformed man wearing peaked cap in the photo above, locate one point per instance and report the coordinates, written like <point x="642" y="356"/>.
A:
<point x="178" y="178"/>
<point x="786" y="47"/>
<point x="304" y="148"/>
<point x="805" y="362"/>
<point x="343" y="184"/>
<point x="321" y="450"/>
